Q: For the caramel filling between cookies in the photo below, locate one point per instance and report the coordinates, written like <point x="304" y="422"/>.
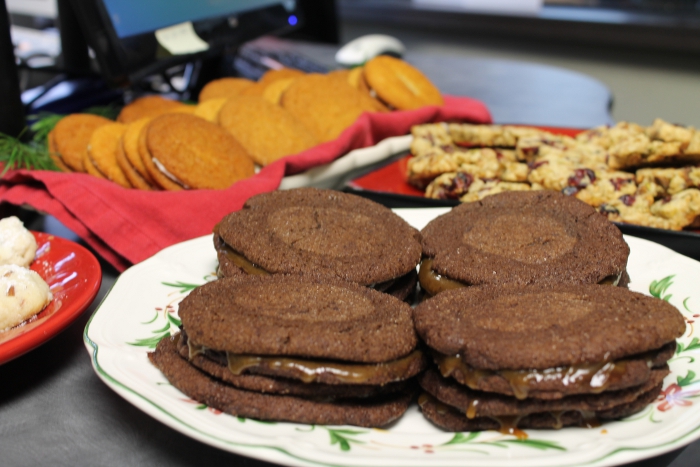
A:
<point x="309" y="371"/>
<point x="244" y="263"/>
<point x="598" y="376"/>
<point x="434" y="283"/>
<point x="508" y="424"/>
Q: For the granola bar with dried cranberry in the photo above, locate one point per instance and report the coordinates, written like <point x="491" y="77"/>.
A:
<point x="504" y="136"/>
<point x="668" y="181"/>
<point x="429" y="136"/>
<point x="480" y="189"/>
<point x="421" y="170"/>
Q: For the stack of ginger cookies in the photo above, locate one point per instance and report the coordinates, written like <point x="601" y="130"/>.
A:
<point x="161" y="144"/>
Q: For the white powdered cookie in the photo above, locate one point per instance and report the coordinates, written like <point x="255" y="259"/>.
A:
<point x="23" y="293"/>
<point x="17" y="244"/>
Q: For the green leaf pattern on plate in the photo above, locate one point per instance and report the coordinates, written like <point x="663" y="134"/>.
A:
<point x="166" y="316"/>
<point x="344" y="437"/>
<point x="658" y="288"/>
<point x="471" y="440"/>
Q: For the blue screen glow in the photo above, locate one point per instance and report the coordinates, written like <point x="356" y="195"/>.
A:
<point x="131" y="17"/>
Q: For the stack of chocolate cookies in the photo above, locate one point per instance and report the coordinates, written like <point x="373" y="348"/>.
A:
<point x="547" y="356"/>
<point x="525" y="325"/>
<point x="294" y="348"/>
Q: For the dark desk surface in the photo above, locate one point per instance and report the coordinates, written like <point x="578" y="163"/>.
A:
<point x="53" y="407"/>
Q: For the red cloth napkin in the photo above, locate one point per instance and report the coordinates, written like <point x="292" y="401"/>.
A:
<point x="127" y="226"/>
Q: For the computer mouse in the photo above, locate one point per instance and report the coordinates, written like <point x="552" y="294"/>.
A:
<point x="358" y="51"/>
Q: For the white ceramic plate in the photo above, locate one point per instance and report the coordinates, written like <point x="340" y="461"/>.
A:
<point x="142" y="308"/>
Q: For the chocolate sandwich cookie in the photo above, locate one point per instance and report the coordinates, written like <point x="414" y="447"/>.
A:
<point x="216" y="364"/>
<point x="322" y="232"/>
<point x="297" y="316"/>
<point x="548" y="329"/>
<point x="446" y="403"/>
<point x="523" y="237"/>
<point x="214" y="393"/>
<point x="540" y="353"/>
<point x="452" y="419"/>
<point x="301" y="336"/>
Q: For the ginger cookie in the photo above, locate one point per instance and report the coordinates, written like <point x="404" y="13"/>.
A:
<point x="325" y="105"/>
<point x="273" y="92"/>
<point x="283" y="73"/>
<point x="399" y="84"/>
<point x="185" y="109"/>
<point x="72" y="136"/>
<point x="224" y="88"/>
<point x="341" y="75"/>
<point x="255" y="90"/>
<point x="90" y="168"/>
<point x="130" y="145"/>
<point x="194" y="153"/>
<point x="251" y="120"/>
<point x="163" y="180"/>
<point x="209" y="109"/>
<point x="356" y="79"/>
<point x="135" y="179"/>
<point x="54" y="154"/>
<point x="148" y="106"/>
<point x="102" y="151"/>
<point x="258" y="89"/>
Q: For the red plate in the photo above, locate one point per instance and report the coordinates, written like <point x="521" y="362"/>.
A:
<point x="392" y="178"/>
<point x="74" y="277"/>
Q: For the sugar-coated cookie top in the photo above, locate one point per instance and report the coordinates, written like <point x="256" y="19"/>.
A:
<point x="17" y="244"/>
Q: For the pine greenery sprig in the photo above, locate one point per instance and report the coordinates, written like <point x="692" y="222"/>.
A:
<point x="34" y="154"/>
<point x="18" y="155"/>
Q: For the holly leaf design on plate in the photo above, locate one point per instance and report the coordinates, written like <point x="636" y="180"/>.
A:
<point x="658" y="288"/>
<point x="344" y="438"/>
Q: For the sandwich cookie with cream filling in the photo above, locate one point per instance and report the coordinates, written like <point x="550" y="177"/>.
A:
<point x="181" y="151"/>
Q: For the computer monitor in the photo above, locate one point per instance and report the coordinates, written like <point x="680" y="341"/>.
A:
<point x="132" y="39"/>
